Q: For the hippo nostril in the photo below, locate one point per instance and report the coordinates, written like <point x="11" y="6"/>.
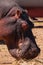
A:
<point x="24" y="26"/>
<point x="36" y="52"/>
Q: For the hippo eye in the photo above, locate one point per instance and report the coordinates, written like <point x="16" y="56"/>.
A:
<point x="18" y="12"/>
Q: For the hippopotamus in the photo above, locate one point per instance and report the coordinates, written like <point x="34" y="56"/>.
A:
<point x="15" y="29"/>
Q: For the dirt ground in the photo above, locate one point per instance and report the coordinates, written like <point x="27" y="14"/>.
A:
<point x="7" y="59"/>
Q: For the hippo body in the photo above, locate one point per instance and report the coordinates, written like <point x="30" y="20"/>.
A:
<point x="15" y="29"/>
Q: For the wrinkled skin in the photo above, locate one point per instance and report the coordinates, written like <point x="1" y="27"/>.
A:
<point x="15" y="29"/>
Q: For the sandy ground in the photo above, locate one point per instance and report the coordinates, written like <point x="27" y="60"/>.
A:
<point x="7" y="59"/>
